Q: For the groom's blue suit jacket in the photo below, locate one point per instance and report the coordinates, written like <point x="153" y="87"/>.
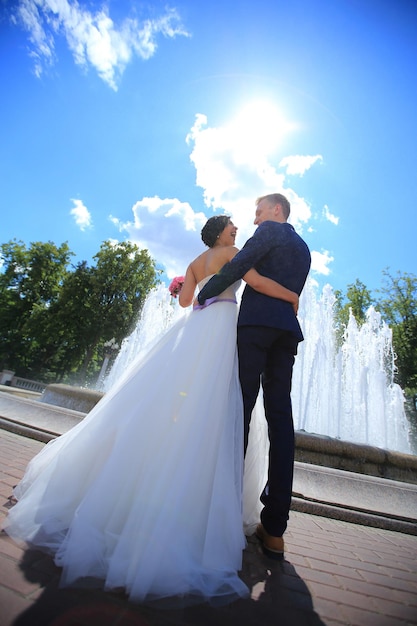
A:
<point x="275" y="250"/>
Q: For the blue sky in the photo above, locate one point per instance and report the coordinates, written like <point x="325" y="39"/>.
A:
<point x="138" y="120"/>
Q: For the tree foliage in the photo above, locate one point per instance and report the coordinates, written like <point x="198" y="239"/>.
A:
<point x="398" y="305"/>
<point x="358" y="299"/>
<point x="54" y="321"/>
<point x="30" y="283"/>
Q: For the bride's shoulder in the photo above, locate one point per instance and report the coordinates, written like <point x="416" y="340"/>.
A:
<point x="232" y="252"/>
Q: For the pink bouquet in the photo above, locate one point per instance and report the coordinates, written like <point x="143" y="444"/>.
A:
<point x="175" y="286"/>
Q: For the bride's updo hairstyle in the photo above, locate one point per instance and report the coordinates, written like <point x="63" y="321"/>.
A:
<point x="213" y="228"/>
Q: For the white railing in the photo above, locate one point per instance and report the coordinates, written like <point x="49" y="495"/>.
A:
<point x="29" y="385"/>
<point x="8" y="378"/>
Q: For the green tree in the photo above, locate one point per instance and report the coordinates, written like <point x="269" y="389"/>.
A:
<point x="54" y="322"/>
<point x="60" y="349"/>
<point x="101" y="303"/>
<point x="30" y="282"/>
<point x="358" y="299"/>
<point x="398" y="306"/>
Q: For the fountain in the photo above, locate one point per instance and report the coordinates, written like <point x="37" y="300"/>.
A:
<point x="344" y="392"/>
<point x="347" y="392"/>
<point x="159" y="313"/>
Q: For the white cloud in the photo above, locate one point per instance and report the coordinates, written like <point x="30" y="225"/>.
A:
<point x="93" y="38"/>
<point x="42" y="51"/>
<point x="168" y="228"/>
<point x="329" y="216"/>
<point x="81" y="214"/>
<point x="299" y="164"/>
<point x="320" y="262"/>
<point x="234" y="166"/>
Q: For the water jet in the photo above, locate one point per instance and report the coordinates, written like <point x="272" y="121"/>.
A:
<point x="346" y="392"/>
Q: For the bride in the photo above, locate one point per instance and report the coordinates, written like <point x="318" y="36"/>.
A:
<point x="145" y="493"/>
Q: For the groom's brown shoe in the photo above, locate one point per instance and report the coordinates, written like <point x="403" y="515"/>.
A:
<point x="271" y="546"/>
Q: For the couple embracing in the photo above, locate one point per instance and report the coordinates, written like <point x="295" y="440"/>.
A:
<point x="146" y="492"/>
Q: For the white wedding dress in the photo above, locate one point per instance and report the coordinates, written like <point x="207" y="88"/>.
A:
<point x="145" y="493"/>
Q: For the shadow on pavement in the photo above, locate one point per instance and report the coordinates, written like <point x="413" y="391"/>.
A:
<point x="279" y="597"/>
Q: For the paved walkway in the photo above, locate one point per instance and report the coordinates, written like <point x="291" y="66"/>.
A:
<point x="334" y="573"/>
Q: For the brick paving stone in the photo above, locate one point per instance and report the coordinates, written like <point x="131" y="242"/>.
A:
<point x="402" y="575"/>
<point x="310" y="554"/>
<point x="315" y="575"/>
<point x="335" y="574"/>
<point x="4" y="490"/>
<point x="12" y="577"/>
<point x="329" y="612"/>
<point x="401" y="571"/>
<point x="406" y="565"/>
<point x="11" y="605"/>
<point x="10" y="548"/>
<point x="354" y="616"/>
<point x="333" y="568"/>
<point x="352" y="563"/>
<point x="343" y="597"/>
<point x="358" y="586"/>
<point x="398" y="610"/>
<point x="357" y="617"/>
<point x="394" y="553"/>
<point x="9" y="479"/>
<point x="298" y="560"/>
<point x="390" y="582"/>
<point x="405" y="597"/>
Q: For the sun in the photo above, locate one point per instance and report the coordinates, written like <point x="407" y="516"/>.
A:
<point x="259" y="127"/>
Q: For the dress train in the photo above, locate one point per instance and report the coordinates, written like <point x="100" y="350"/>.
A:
<point x="146" y="492"/>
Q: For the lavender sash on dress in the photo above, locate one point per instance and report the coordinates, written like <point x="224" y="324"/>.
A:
<point x="209" y="301"/>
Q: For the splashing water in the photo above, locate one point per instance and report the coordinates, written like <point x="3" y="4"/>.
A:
<point x="346" y="391"/>
<point x="159" y="313"/>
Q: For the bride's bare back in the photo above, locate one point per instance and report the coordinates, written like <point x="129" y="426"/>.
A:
<point x="211" y="261"/>
<point x="206" y="264"/>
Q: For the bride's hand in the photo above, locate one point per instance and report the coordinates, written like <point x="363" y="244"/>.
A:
<point x="296" y="303"/>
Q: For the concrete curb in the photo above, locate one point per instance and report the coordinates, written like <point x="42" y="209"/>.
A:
<point x="354" y="516"/>
<point x="27" y="431"/>
<point x="354" y="457"/>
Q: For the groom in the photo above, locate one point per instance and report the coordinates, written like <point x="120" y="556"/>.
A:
<point x="267" y="337"/>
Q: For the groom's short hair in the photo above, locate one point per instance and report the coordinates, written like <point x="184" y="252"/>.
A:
<point x="277" y="198"/>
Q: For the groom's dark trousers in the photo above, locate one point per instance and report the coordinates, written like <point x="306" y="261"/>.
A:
<point x="268" y="335"/>
<point x="267" y="355"/>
